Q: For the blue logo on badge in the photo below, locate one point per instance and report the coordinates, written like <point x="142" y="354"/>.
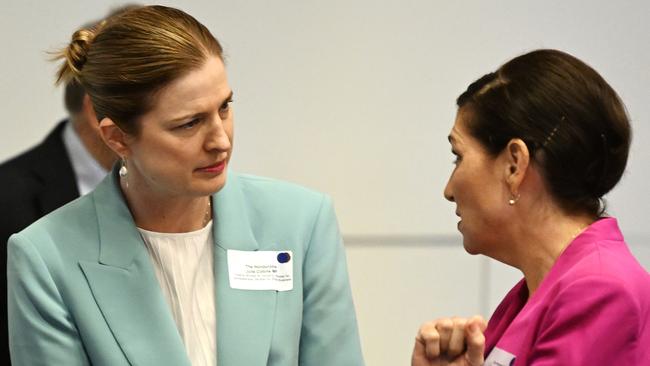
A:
<point x="284" y="257"/>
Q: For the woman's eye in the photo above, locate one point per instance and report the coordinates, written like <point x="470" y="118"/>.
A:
<point x="190" y="124"/>
<point x="225" y="106"/>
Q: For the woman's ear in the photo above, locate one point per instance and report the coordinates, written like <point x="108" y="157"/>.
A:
<point x="113" y="136"/>
<point x="517" y="159"/>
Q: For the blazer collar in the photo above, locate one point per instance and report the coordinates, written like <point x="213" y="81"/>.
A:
<point x="125" y="287"/>
<point x="244" y="318"/>
<point x="132" y="302"/>
<point x="232" y="228"/>
<point x="119" y="238"/>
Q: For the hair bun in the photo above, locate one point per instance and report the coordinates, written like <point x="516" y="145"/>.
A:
<point x="78" y="48"/>
<point x="75" y="55"/>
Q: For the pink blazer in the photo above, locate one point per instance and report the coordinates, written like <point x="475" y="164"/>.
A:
<point x="593" y="308"/>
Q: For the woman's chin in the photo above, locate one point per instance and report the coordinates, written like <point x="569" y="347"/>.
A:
<point x="470" y="247"/>
<point x="206" y="188"/>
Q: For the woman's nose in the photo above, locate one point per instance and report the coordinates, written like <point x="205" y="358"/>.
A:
<point x="218" y="137"/>
<point x="448" y="191"/>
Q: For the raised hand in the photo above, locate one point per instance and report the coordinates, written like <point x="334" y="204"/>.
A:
<point x="450" y="342"/>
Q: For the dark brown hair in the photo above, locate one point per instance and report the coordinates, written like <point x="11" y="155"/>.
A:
<point x="572" y="121"/>
<point x="123" y="61"/>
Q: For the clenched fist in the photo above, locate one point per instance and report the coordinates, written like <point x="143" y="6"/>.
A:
<point x="450" y="342"/>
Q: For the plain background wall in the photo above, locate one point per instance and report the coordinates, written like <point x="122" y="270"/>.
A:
<point x="356" y="98"/>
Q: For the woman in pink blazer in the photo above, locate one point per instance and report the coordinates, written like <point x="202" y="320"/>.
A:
<point x="538" y="143"/>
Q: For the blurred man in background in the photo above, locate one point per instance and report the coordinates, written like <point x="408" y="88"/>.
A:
<point x="68" y="163"/>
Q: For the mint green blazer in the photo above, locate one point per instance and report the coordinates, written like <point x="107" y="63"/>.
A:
<point x="82" y="289"/>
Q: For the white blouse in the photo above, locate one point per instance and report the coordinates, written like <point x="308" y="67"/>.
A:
<point x="184" y="267"/>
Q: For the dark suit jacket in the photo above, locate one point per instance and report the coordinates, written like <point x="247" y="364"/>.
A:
<point x="32" y="184"/>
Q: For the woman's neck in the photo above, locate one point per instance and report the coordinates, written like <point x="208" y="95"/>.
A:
<point x="541" y="240"/>
<point x="166" y="214"/>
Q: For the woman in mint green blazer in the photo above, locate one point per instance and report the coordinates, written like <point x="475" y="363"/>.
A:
<point x="84" y="289"/>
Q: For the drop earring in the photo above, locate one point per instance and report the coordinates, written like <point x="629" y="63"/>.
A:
<point x="124" y="172"/>
<point x="123" y="169"/>
<point x="514" y="199"/>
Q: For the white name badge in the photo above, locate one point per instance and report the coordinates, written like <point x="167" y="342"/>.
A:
<point x="260" y="270"/>
<point x="499" y="357"/>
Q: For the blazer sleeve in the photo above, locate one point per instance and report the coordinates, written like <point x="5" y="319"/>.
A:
<point x="41" y="331"/>
<point x="329" y="333"/>
<point x="594" y="321"/>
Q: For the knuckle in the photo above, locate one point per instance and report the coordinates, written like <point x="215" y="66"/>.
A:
<point x="460" y="322"/>
<point x="445" y="324"/>
<point x="427" y="328"/>
<point x="431" y="337"/>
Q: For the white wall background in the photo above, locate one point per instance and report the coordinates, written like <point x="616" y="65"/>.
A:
<point x="356" y="98"/>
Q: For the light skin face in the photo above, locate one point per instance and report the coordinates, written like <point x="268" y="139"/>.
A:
<point x="190" y="128"/>
<point x="479" y="187"/>
<point x="184" y="144"/>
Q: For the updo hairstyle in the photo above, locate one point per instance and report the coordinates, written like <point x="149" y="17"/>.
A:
<point x="573" y="123"/>
<point x="124" y="60"/>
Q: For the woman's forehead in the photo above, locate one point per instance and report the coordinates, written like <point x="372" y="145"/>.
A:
<point x="203" y="87"/>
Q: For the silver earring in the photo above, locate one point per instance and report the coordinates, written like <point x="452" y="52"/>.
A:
<point x="123" y="170"/>
<point x="513" y="200"/>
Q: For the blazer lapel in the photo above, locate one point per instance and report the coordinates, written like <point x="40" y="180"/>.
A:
<point x="244" y="318"/>
<point x="125" y="287"/>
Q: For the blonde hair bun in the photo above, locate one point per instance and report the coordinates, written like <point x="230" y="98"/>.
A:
<point x="75" y="55"/>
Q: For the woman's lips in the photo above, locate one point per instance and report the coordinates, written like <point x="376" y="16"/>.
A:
<point x="215" y="168"/>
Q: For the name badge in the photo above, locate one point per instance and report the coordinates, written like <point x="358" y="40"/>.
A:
<point x="499" y="357"/>
<point x="260" y="270"/>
